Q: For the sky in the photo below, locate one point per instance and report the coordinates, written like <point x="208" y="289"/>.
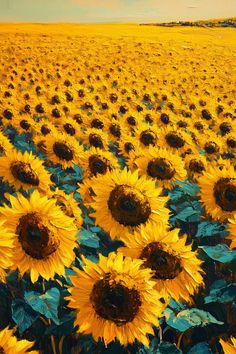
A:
<point x="90" y="11"/>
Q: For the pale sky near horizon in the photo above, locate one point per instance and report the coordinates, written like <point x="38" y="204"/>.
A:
<point x="113" y="10"/>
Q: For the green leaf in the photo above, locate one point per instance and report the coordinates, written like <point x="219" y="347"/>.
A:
<point x="223" y="294"/>
<point x="168" y="348"/>
<point x="207" y="229"/>
<point x="220" y="253"/>
<point x="23" y="315"/>
<point x="46" y="304"/>
<point x="88" y="238"/>
<point x="200" y="348"/>
<point x="189" y="318"/>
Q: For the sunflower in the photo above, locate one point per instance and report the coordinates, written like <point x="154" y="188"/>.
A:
<point x="70" y="126"/>
<point x="218" y="192"/>
<point x="175" y="139"/>
<point x="232" y="231"/>
<point x="24" y="170"/>
<point x="5" y="144"/>
<point x="229" y="348"/>
<point x="115" y="299"/>
<point x="97" y="161"/>
<point x="177" y="270"/>
<point x="147" y="135"/>
<point x="68" y="205"/>
<point x="127" y="144"/>
<point x="162" y="166"/>
<point x="9" y="344"/>
<point x="95" y="138"/>
<point x="195" y="165"/>
<point x="211" y="144"/>
<point x="44" y="236"/>
<point x="6" y="250"/>
<point x="127" y="202"/>
<point x="24" y="124"/>
<point x="63" y="149"/>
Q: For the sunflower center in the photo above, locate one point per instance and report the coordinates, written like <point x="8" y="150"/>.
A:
<point x="96" y="141"/>
<point x="98" y="164"/>
<point x="69" y="129"/>
<point x="36" y="239"/>
<point x="115" y="302"/>
<point x="128" y="147"/>
<point x="231" y="143"/>
<point x="160" y="168"/>
<point x="165" y="265"/>
<point x="129" y="206"/>
<point x="174" y="140"/>
<point x="24" y="173"/>
<point x="45" y="130"/>
<point x="24" y="124"/>
<point x="2" y="351"/>
<point x="225" y="194"/>
<point x="211" y="147"/>
<point x="97" y="123"/>
<point x="196" y="166"/>
<point x="115" y="130"/>
<point x="148" y="137"/>
<point x="63" y="151"/>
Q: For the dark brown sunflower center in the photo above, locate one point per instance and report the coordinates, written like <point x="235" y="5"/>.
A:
<point x="98" y="164"/>
<point x="129" y="206"/>
<point x="96" y="141"/>
<point x="160" y="168"/>
<point x="36" y="239"/>
<point x="69" y="129"/>
<point x="211" y="147"/>
<point x="165" y="265"/>
<point x="225" y="194"/>
<point x="196" y="166"/>
<point x="24" y="124"/>
<point x="45" y="130"/>
<point x="231" y="143"/>
<point x="115" y="130"/>
<point x="63" y="151"/>
<point x="148" y="137"/>
<point x="128" y="147"/>
<point x="2" y="351"/>
<point x="174" y="140"/>
<point x="115" y="302"/>
<point x="24" y="173"/>
<point x="97" y="123"/>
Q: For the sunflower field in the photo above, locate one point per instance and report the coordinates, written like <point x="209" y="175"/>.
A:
<point x="117" y="189"/>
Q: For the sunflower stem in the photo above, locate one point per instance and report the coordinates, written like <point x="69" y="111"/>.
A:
<point x="61" y="344"/>
<point x="160" y="334"/>
<point x="53" y="344"/>
<point x="179" y="340"/>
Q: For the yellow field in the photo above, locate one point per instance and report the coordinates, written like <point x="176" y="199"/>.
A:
<point x="117" y="189"/>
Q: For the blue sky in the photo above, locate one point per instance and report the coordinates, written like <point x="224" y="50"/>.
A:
<point x="113" y="10"/>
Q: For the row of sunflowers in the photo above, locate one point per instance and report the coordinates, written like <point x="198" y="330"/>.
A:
<point x="118" y="197"/>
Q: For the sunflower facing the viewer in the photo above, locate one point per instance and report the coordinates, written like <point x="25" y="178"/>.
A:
<point x="162" y="166"/>
<point x="44" y="236"/>
<point x="127" y="202"/>
<point x="24" y="170"/>
<point x="218" y="192"/>
<point x="177" y="270"/>
<point x="115" y="299"/>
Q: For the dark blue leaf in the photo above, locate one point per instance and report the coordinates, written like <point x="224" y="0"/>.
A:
<point x="200" y="348"/>
<point x="220" y="253"/>
<point x="223" y="294"/>
<point x="23" y="315"/>
<point x="207" y="229"/>
<point x="189" y="318"/>
<point x="89" y="239"/>
<point x="46" y="304"/>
